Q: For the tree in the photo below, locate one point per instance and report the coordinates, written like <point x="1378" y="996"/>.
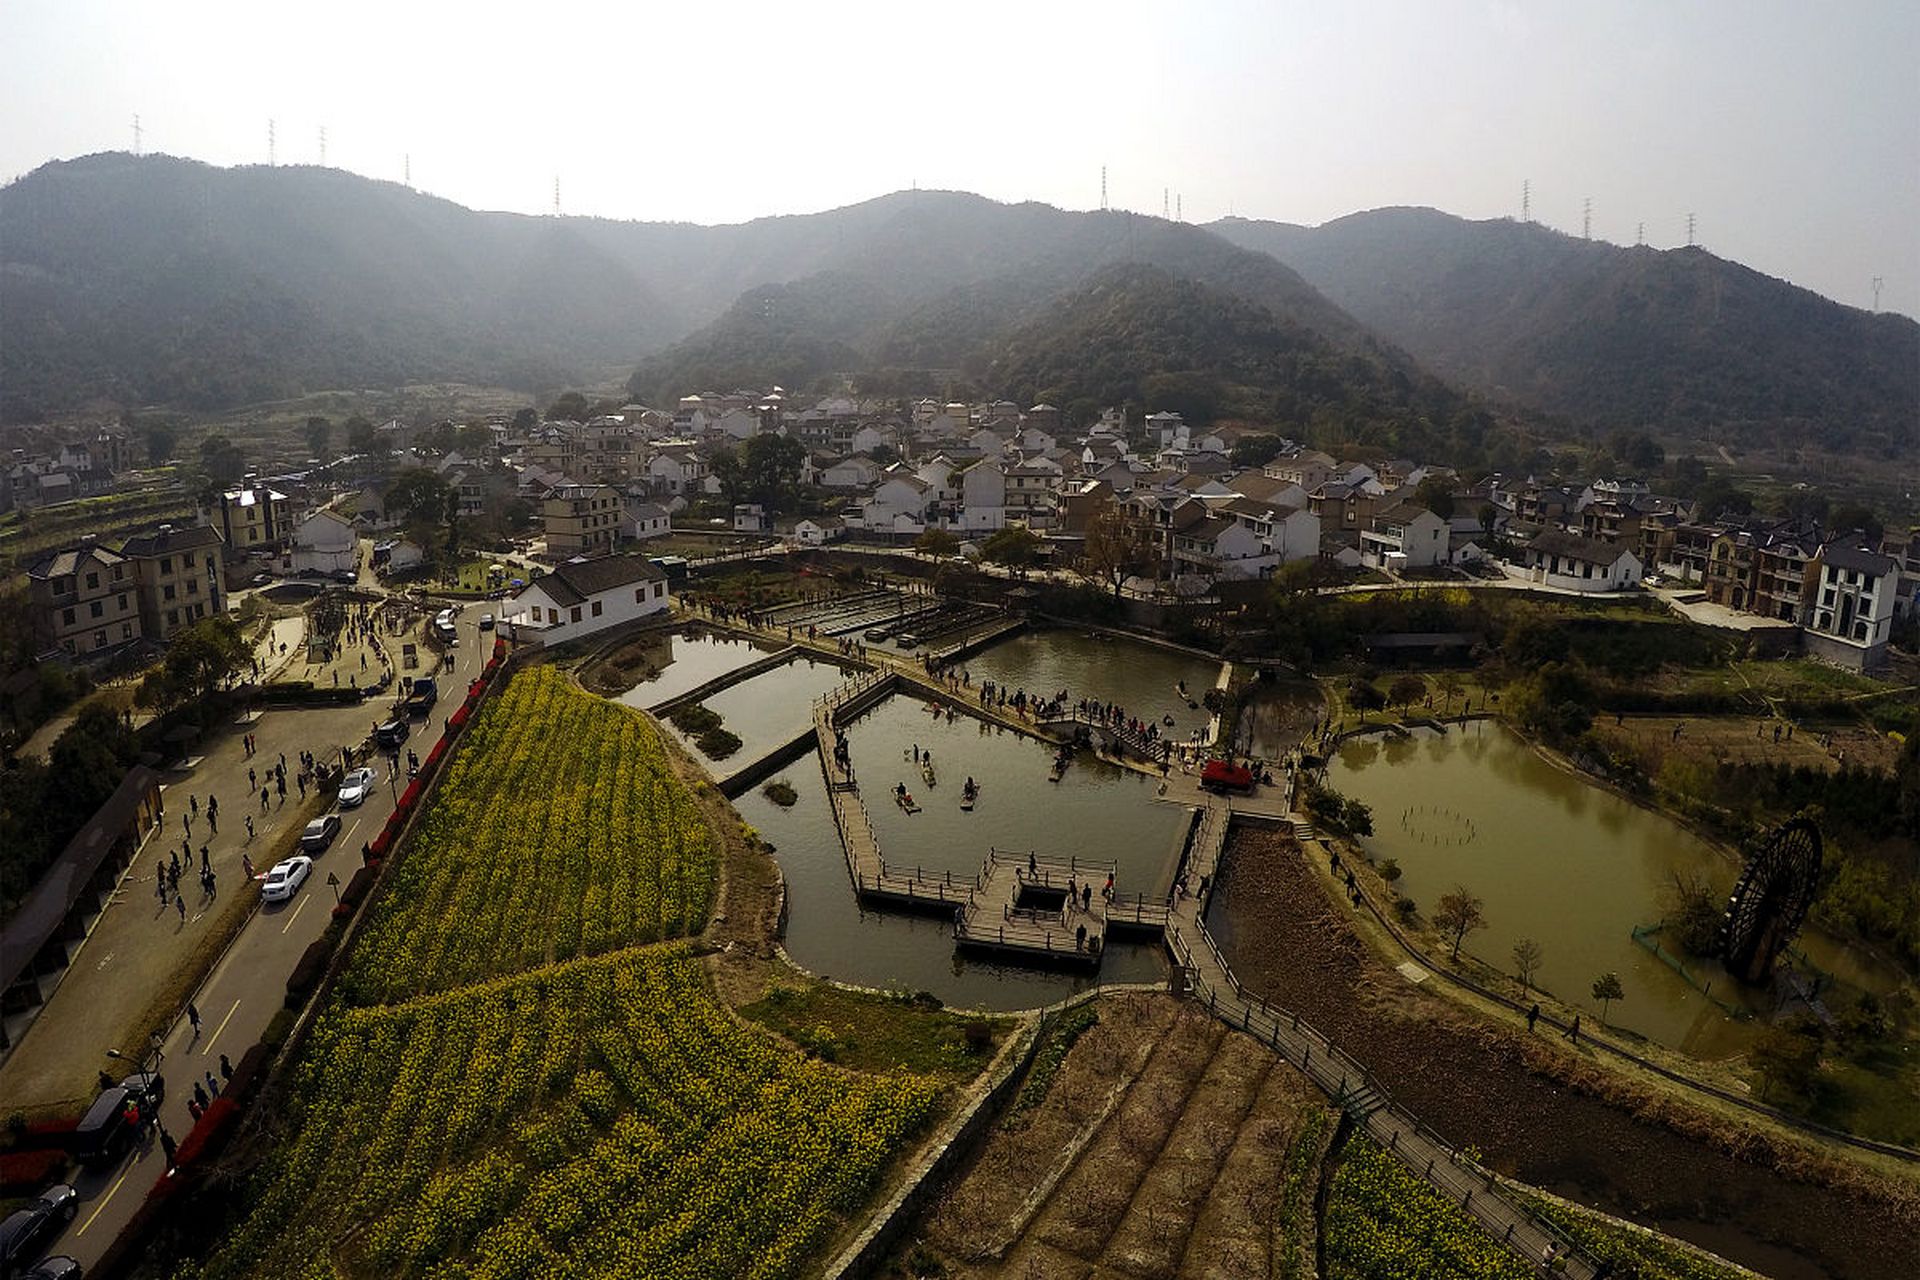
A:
<point x="525" y="419"/>
<point x="199" y="659"/>
<point x="420" y="492"/>
<point x="1356" y="817"/>
<point x="1015" y="546"/>
<point x="1783" y="1056"/>
<point x="328" y="615"/>
<point x="1405" y="690"/>
<point x="222" y="462"/>
<point x="937" y="542"/>
<point x="1489" y="522"/>
<point x="884" y="454"/>
<point x="1459" y="914"/>
<point x="1435" y="493"/>
<point x="1256" y="451"/>
<point x="570" y="407"/>
<point x="1854" y="517"/>
<point x="160" y="442"/>
<point x="727" y="471"/>
<point x="1527" y="955"/>
<point x="319" y="436"/>
<point x="1365" y="696"/>
<point x="1607" y="989"/>
<point x="362" y="437"/>
<point x="1114" y="549"/>
<point x="1450" y="686"/>
<point x="770" y="466"/>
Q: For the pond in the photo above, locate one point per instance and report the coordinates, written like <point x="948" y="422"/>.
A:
<point x="683" y="662"/>
<point x="1096" y="811"/>
<point x="768" y="709"/>
<point x="1142" y="678"/>
<point x="1560" y="860"/>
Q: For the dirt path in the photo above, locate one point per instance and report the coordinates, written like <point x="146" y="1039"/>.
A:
<point x="1477" y="1085"/>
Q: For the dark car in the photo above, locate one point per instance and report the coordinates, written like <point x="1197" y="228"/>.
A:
<point x="104" y="1133"/>
<point x="58" y="1267"/>
<point x="320" y="833"/>
<point x="391" y="734"/>
<point x="26" y="1232"/>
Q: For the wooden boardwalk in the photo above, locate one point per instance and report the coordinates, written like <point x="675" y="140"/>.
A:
<point x="1040" y="908"/>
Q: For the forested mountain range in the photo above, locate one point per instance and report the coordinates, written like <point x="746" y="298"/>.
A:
<point x="153" y="280"/>
<point x="1677" y="340"/>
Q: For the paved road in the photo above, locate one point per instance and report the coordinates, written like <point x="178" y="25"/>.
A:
<point x="247" y="987"/>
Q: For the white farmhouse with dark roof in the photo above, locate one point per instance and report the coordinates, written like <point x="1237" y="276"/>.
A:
<point x="1850" y="614"/>
<point x="581" y="597"/>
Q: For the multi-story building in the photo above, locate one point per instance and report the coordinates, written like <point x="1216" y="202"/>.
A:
<point x="177" y="571"/>
<point x="84" y="599"/>
<point x="1760" y="571"/>
<point x="1850" y="613"/>
<point x="581" y="519"/>
<point x="253" y="518"/>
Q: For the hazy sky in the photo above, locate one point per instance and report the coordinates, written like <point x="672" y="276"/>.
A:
<point x="1792" y="131"/>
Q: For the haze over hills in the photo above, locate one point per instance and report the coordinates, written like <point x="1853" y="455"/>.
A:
<point x="1675" y="339"/>
<point x="154" y="280"/>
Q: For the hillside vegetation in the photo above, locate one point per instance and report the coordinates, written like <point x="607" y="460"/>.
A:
<point x="1674" y="340"/>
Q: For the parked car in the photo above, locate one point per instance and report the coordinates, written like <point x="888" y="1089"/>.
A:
<point x="27" y="1231"/>
<point x="320" y="833"/>
<point x="486" y="622"/>
<point x="261" y="579"/>
<point x="285" y="878"/>
<point x="356" y="787"/>
<point x="103" y="1132"/>
<point x="347" y="576"/>
<point x="391" y="734"/>
<point x="58" y="1267"/>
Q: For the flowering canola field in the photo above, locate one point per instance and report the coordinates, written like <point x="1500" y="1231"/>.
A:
<point x="560" y="831"/>
<point x="510" y="1114"/>
<point x="1383" y="1222"/>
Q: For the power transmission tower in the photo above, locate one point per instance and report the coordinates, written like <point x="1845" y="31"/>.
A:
<point x="556" y="195"/>
<point x="1639" y="234"/>
<point x="323" y="146"/>
<point x="1526" y="200"/>
<point x="1877" y="282"/>
<point x="1103" y="188"/>
<point x="1586" y="219"/>
<point x="1178" y="214"/>
<point x="1689" y="231"/>
<point x="1166" y="209"/>
<point x="136" y="134"/>
<point x="406" y="168"/>
<point x="270" y="159"/>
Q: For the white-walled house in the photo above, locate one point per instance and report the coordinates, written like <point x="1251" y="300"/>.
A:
<point x="1404" y="537"/>
<point x="581" y="597"/>
<point x="1850" y="616"/>
<point x="856" y="472"/>
<point x="899" y="503"/>
<point x="983" y="496"/>
<point x="325" y="541"/>
<point x="641" y="518"/>
<point x="1556" y="558"/>
<point x="815" y="531"/>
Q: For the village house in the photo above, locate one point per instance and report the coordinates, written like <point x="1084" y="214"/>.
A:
<point x="1851" y="614"/>
<point x="1404" y="536"/>
<point x="1571" y="562"/>
<point x="324" y="541"/>
<point x="580" y="519"/>
<point x="251" y="518"/>
<point x="177" y="571"/>
<point x="84" y="600"/>
<point x="581" y="597"/>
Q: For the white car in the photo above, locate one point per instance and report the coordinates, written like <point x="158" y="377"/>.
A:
<point x="285" y="878"/>
<point x="356" y="787"/>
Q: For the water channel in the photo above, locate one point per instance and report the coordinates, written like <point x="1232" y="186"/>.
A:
<point x="1560" y="860"/>
<point x="768" y="709"/>
<point x="1142" y="678"/>
<point x="683" y="661"/>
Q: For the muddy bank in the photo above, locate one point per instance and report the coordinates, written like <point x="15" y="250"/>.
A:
<point x="1483" y="1086"/>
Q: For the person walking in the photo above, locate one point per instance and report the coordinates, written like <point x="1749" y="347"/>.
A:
<point x="195" y="1110"/>
<point x="169" y="1147"/>
<point x="200" y="1095"/>
<point x="193" y="1019"/>
<point x="213" y="1086"/>
<point x="249" y="835"/>
<point x="180" y="905"/>
<point x="246" y="863"/>
<point x="1573" y="1032"/>
<point x="226" y="1069"/>
<point x="1533" y="1016"/>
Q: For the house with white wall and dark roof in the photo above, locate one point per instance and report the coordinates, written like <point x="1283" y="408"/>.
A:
<point x="581" y="597"/>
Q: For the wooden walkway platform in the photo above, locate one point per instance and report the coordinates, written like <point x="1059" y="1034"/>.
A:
<point x="1021" y="906"/>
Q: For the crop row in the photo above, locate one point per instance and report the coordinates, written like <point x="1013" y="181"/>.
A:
<point x="595" y="1119"/>
<point x="1384" y="1223"/>
<point x="559" y="832"/>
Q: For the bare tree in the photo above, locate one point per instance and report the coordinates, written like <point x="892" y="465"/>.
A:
<point x="1527" y="955"/>
<point x="1459" y="914"/>
<point x="1114" y="549"/>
